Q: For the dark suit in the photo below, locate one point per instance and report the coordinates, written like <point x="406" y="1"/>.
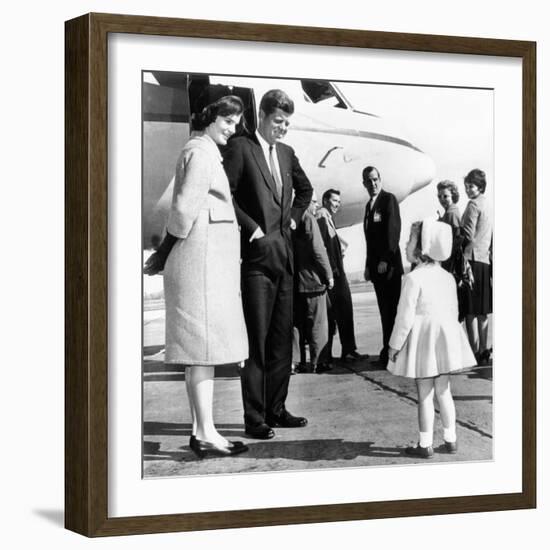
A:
<point x="267" y="268"/>
<point x="382" y="226"/>
<point x="340" y="307"/>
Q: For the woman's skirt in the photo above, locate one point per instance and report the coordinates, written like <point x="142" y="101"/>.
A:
<point x="479" y="299"/>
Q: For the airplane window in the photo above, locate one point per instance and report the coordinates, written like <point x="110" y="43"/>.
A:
<point x="320" y="91"/>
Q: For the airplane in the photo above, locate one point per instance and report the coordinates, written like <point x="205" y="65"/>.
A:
<point x="333" y="140"/>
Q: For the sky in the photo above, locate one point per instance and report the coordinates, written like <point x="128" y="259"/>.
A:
<point x="454" y="126"/>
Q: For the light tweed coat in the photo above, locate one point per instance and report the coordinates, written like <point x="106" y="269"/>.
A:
<point x="426" y="330"/>
<point x="478" y="230"/>
<point x="204" y="315"/>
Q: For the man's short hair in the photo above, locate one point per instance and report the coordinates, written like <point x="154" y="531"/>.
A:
<point x="328" y="193"/>
<point x="276" y="99"/>
<point x="369" y="169"/>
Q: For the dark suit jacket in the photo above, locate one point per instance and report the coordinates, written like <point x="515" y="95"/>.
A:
<point x="382" y="226"/>
<point x="312" y="264"/>
<point x="257" y="204"/>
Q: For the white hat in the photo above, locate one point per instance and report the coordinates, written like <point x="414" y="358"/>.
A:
<point x="437" y="239"/>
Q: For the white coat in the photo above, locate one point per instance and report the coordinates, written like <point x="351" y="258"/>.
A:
<point x="426" y="330"/>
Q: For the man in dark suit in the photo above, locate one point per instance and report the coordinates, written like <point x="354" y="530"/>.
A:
<point x="384" y="267"/>
<point x="340" y="307"/>
<point x="263" y="173"/>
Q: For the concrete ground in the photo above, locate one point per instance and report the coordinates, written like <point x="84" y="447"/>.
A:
<point x="358" y="414"/>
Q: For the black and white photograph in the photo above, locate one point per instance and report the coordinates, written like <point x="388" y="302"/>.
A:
<point x="244" y="305"/>
<point x="317" y="274"/>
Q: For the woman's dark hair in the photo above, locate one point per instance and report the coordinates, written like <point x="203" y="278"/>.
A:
<point x="225" y="106"/>
<point x="451" y="186"/>
<point x="276" y="99"/>
<point x="477" y="177"/>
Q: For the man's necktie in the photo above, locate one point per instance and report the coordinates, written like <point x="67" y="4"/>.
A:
<point x="369" y="209"/>
<point x="274" y="173"/>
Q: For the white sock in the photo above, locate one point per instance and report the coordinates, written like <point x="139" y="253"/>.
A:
<point x="449" y="434"/>
<point x="426" y="439"/>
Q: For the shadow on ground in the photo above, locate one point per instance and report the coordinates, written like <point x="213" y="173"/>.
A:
<point x="312" y="450"/>
<point x="485" y="373"/>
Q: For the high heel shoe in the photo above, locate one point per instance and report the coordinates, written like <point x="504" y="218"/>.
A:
<point x="203" y="448"/>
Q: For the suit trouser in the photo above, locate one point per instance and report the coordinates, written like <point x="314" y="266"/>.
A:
<point x="340" y="313"/>
<point x="267" y="304"/>
<point x="312" y="322"/>
<point x="387" y="295"/>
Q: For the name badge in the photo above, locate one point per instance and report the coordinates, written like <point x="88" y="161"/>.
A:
<point x="377" y="217"/>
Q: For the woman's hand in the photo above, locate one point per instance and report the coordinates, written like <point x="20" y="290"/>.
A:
<point x="392" y="354"/>
<point x="154" y="264"/>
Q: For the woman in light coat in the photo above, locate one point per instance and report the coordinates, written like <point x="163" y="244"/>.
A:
<point x="204" y="316"/>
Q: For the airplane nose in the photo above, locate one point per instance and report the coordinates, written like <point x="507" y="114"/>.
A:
<point x="424" y="172"/>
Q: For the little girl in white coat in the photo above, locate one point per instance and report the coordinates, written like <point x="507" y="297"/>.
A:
<point x="427" y="341"/>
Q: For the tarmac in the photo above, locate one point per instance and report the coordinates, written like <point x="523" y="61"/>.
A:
<point x="359" y="415"/>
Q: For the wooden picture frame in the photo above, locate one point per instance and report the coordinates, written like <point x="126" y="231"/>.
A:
<point x="86" y="279"/>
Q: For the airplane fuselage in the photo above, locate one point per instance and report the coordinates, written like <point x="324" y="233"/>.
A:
<point x="333" y="145"/>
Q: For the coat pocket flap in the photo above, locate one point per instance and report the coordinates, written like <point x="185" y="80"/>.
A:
<point x="222" y="213"/>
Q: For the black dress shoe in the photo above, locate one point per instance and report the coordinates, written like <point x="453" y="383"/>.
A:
<point x="203" y="448"/>
<point x="322" y="367"/>
<point x="286" y="420"/>
<point x="302" y="367"/>
<point x="351" y="356"/>
<point x="261" y="431"/>
<point x="381" y="362"/>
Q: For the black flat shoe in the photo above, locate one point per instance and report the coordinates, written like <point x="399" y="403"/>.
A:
<point x="451" y="447"/>
<point x="420" y="452"/>
<point x="193" y="439"/>
<point x="261" y="431"/>
<point x="286" y="420"/>
<point x="203" y="448"/>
